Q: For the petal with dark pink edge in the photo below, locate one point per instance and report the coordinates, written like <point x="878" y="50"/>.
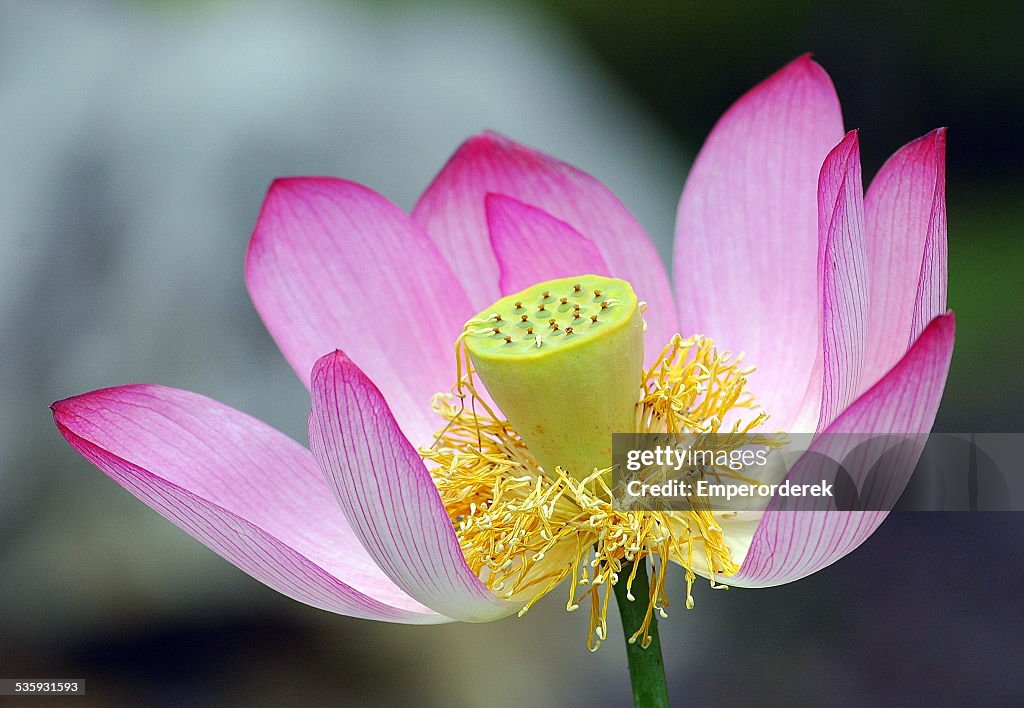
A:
<point x="905" y="216"/>
<point x="532" y="246"/>
<point x="789" y="545"/>
<point x="843" y="285"/>
<point x="243" y="489"/>
<point x="333" y="264"/>
<point x="746" y="233"/>
<point x="452" y="210"/>
<point x="388" y="495"/>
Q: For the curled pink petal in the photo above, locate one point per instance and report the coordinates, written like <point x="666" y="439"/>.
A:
<point x="333" y="264"/>
<point x="452" y="210"/>
<point x="905" y="216"/>
<point x="532" y="246"/>
<point x="241" y="488"/>
<point x="746" y="234"/>
<point x="388" y="495"/>
<point x="789" y="545"/>
<point x="843" y="286"/>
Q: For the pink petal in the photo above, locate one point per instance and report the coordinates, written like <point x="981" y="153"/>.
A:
<point x="747" y="236"/>
<point x="789" y="545"/>
<point x="241" y="488"/>
<point x="333" y="264"/>
<point x="905" y="215"/>
<point x="453" y="213"/>
<point x="532" y="246"/>
<point x="842" y="282"/>
<point x="388" y="495"/>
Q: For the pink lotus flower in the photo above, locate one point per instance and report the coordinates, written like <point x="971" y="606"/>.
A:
<point x="837" y="298"/>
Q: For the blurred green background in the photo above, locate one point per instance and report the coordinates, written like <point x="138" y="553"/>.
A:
<point x="138" y="140"/>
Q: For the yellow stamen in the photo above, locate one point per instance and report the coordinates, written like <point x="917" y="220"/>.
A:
<point x="523" y="530"/>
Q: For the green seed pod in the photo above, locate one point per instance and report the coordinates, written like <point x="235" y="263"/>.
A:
<point x="567" y="375"/>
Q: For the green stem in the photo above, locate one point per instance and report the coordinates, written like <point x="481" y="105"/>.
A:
<point x="646" y="667"/>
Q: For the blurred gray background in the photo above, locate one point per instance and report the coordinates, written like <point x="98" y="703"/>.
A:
<point x="137" y="139"/>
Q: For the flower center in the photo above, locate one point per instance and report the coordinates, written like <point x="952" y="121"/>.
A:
<point x="530" y="496"/>
<point x="562" y="359"/>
